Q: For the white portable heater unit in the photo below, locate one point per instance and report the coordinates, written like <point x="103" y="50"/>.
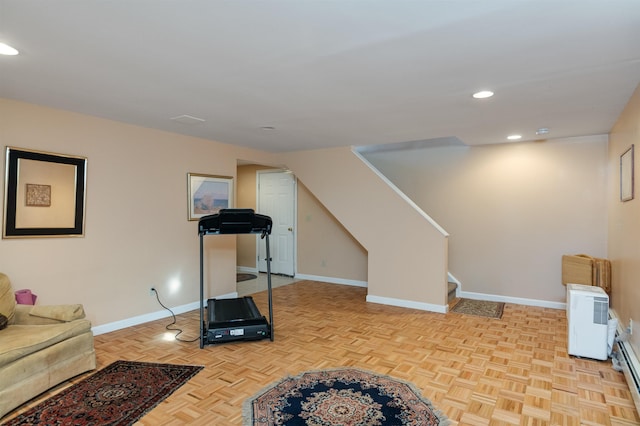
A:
<point x="588" y="319"/>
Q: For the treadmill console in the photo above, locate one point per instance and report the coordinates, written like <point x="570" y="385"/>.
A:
<point x="235" y="221"/>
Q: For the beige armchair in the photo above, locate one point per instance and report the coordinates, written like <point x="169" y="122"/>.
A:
<point x="40" y="347"/>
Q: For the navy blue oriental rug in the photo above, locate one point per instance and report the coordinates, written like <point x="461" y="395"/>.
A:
<point x="347" y="397"/>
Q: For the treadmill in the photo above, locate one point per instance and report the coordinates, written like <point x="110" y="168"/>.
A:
<point x="234" y="319"/>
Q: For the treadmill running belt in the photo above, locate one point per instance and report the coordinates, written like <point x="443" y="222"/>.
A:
<point x="232" y="310"/>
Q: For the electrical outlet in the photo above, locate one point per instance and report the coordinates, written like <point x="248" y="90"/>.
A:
<point x="152" y="291"/>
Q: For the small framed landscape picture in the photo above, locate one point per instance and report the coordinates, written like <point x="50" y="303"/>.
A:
<point x="208" y="194"/>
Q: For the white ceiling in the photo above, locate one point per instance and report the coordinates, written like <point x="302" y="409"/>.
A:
<point x="329" y="73"/>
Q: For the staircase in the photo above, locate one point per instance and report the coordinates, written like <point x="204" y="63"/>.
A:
<point x="396" y="233"/>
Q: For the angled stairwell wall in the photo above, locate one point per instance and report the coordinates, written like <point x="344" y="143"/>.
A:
<point x="407" y="251"/>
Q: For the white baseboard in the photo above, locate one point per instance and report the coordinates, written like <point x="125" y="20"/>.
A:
<point x="331" y="280"/>
<point x="441" y="309"/>
<point x="247" y="269"/>
<point x="377" y="299"/>
<point x="432" y="307"/>
<point x="152" y="316"/>
<point x="141" y="319"/>
<point x="509" y="299"/>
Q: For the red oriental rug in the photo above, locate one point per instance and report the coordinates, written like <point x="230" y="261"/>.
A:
<point x="345" y="397"/>
<point x="117" y="395"/>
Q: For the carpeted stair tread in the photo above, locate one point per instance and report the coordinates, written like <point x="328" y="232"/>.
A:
<point x="452" y="287"/>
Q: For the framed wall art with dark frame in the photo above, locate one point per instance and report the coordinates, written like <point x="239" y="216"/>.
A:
<point x="627" y="175"/>
<point x="208" y="194"/>
<point x="44" y="194"/>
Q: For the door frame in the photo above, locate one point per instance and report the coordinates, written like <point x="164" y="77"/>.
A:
<point x="294" y="201"/>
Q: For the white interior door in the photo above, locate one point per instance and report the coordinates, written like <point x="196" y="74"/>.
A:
<point x="276" y="198"/>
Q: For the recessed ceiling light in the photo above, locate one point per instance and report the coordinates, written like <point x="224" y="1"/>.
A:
<point x="542" y="131"/>
<point x="514" y="137"/>
<point x="5" y="49"/>
<point x="483" y="94"/>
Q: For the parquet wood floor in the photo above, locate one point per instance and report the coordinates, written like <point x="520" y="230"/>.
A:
<point x="478" y="371"/>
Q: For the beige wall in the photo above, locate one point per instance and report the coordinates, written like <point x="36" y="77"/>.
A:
<point x="324" y="247"/>
<point x="247" y="255"/>
<point x="511" y="210"/>
<point x="137" y="234"/>
<point x="624" y="222"/>
<point x="549" y="197"/>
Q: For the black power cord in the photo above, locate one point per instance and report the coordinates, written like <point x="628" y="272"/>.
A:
<point x="168" y="327"/>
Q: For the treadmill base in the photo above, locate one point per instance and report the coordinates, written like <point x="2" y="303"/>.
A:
<point x="234" y="319"/>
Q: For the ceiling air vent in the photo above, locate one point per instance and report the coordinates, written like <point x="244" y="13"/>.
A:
<point x="188" y="119"/>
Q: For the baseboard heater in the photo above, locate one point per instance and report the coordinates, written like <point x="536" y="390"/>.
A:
<point x="631" y="370"/>
<point x="629" y="363"/>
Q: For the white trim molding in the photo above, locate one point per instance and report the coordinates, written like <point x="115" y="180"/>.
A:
<point x="331" y="280"/>
<point x="441" y="309"/>
<point x="515" y="300"/>
<point x="152" y="316"/>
